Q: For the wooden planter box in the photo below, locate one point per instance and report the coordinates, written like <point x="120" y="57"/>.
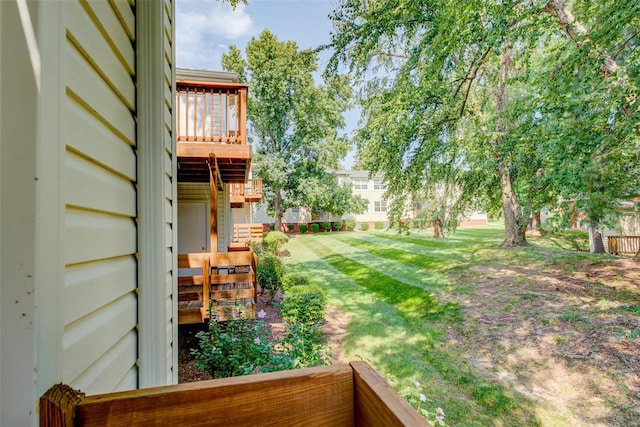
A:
<point x="336" y="396"/>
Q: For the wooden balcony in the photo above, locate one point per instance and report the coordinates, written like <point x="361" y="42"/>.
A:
<point x="212" y="128"/>
<point x="224" y="282"/>
<point x="251" y="191"/>
<point x="336" y="396"/>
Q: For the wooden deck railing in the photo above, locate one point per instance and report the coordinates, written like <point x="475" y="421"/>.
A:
<point x="224" y="282"/>
<point x="211" y="112"/>
<point x="252" y="189"/>
<point x="623" y="244"/>
<point x="245" y="232"/>
<point x="335" y="396"/>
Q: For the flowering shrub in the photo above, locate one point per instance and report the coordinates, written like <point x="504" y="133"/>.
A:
<point x="235" y="347"/>
<point x="241" y="346"/>
<point x="416" y="398"/>
<point x="304" y="346"/>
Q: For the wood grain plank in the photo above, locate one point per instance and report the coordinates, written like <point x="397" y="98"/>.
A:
<point x="314" y="396"/>
<point x="377" y="404"/>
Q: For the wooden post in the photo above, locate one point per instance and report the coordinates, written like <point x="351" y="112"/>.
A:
<point x="213" y="207"/>
<point x="206" y="286"/>
<point x="58" y="406"/>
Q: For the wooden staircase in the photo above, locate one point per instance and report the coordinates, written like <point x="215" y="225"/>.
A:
<point x="223" y="284"/>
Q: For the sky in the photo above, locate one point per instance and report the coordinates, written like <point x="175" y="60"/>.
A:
<point x="206" y="28"/>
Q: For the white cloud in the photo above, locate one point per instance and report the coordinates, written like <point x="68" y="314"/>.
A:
<point x="203" y="27"/>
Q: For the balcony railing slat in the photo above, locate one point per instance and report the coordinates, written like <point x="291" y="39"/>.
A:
<point x="214" y="114"/>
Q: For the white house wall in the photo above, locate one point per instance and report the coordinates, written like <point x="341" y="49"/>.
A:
<point x="99" y="343"/>
<point x="75" y="155"/>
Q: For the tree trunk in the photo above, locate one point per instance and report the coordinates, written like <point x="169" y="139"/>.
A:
<point x="438" y="230"/>
<point x="573" y="28"/>
<point x="596" y="244"/>
<point x="535" y="220"/>
<point x="514" y="225"/>
<point x="277" y="207"/>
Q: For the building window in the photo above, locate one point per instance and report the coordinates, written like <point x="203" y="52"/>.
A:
<point x="360" y="183"/>
<point x="378" y="184"/>
<point x="295" y="211"/>
<point x="380" y="206"/>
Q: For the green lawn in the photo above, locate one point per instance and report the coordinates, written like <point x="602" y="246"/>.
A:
<point x="404" y="297"/>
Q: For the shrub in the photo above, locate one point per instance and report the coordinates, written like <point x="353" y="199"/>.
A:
<point x="303" y="228"/>
<point x="305" y="287"/>
<point x="337" y="225"/>
<point x="315" y="228"/>
<point x="274" y="241"/>
<point x="350" y="224"/>
<point x="294" y="280"/>
<point x="326" y="225"/>
<point x="270" y="272"/>
<point x="231" y="348"/>
<point x="579" y="240"/>
<point x="305" y="307"/>
<point x="271" y="227"/>
<point x="364" y="226"/>
<point x="379" y="225"/>
<point x="291" y="226"/>
<point x="305" y="346"/>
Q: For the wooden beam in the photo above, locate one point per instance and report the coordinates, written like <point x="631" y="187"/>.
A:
<point x="203" y="150"/>
<point x="377" y="404"/>
<point x="314" y="396"/>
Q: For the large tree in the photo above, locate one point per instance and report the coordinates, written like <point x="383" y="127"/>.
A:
<point x="294" y="123"/>
<point x="529" y="98"/>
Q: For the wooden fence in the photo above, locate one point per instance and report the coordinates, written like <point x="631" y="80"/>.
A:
<point x="623" y="244"/>
<point x="335" y="396"/>
<point x="245" y="232"/>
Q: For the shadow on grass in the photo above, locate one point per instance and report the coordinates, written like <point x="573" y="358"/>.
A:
<point x="400" y="329"/>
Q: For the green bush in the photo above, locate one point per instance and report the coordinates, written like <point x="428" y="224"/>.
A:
<point x="326" y="225"/>
<point x="579" y="240"/>
<point x="337" y="225"/>
<point x="306" y="308"/>
<point x="274" y="241"/>
<point x="294" y="280"/>
<point x="350" y="224"/>
<point x="291" y="226"/>
<point x="271" y="227"/>
<point x="305" y="287"/>
<point x="303" y="228"/>
<point x="379" y="225"/>
<point x="315" y="228"/>
<point x="231" y="348"/>
<point x="270" y="272"/>
<point x="364" y="226"/>
<point x="304" y="346"/>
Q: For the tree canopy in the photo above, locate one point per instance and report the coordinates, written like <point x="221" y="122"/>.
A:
<point x="294" y="124"/>
<point x="520" y="104"/>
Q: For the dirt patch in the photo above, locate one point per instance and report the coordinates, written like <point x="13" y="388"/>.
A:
<point x="567" y="337"/>
<point x="335" y="327"/>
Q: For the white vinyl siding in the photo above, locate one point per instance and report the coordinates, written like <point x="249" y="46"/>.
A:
<point x="170" y="196"/>
<point x="99" y="342"/>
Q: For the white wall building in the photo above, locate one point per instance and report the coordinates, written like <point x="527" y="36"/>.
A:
<point x="88" y="212"/>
